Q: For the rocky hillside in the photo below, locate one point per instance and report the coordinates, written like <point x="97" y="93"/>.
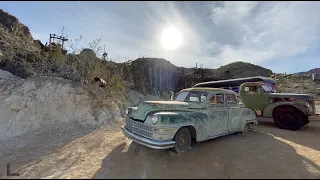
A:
<point x="241" y="69"/>
<point x="14" y="35"/>
<point x="297" y="83"/>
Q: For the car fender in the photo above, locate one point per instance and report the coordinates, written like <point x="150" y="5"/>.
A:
<point x="268" y="111"/>
<point x="174" y="120"/>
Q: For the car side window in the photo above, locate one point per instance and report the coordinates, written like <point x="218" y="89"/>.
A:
<point x="182" y="96"/>
<point x="239" y="100"/>
<point x="203" y="96"/>
<point x="213" y="100"/>
<point x="219" y="98"/>
<point x="231" y="99"/>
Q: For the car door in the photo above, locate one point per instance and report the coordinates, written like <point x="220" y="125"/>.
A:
<point x="254" y="97"/>
<point x="235" y="112"/>
<point x="217" y="114"/>
<point x="197" y="105"/>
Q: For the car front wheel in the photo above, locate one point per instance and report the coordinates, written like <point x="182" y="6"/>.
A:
<point x="183" y="140"/>
<point x="289" y="118"/>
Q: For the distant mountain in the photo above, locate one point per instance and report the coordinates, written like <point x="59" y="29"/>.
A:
<point x="315" y="70"/>
<point x="241" y="69"/>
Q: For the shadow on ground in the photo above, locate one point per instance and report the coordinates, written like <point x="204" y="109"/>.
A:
<point x="305" y="136"/>
<point x="254" y="155"/>
<point x="36" y="144"/>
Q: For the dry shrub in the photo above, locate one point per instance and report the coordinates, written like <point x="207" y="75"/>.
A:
<point x="81" y="68"/>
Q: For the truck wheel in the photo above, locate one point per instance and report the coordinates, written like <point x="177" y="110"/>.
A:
<point x="289" y="118"/>
<point x="305" y="120"/>
<point x="183" y="140"/>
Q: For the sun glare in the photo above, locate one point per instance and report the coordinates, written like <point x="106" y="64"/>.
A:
<point x="171" y="38"/>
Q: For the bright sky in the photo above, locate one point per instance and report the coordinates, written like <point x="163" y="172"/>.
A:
<point x="282" y="36"/>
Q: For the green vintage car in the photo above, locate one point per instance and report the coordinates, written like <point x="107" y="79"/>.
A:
<point x="195" y="113"/>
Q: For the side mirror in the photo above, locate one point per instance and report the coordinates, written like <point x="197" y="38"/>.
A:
<point x="171" y="95"/>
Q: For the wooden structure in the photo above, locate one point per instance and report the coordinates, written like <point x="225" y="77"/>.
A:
<point x="52" y="42"/>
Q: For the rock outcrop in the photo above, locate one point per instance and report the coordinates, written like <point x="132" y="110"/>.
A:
<point x="43" y="101"/>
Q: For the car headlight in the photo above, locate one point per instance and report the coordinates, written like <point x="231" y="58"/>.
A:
<point x="307" y="104"/>
<point x="154" y="119"/>
<point x="127" y="112"/>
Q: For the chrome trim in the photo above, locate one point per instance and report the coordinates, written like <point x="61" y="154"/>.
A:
<point x="139" y="128"/>
<point x="159" y="126"/>
<point x="253" y="120"/>
<point x="314" y="118"/>
<point x="148" y="142"/>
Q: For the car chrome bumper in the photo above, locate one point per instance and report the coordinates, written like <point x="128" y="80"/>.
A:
<point x="254" y="121"/>
<point x="314" y="118"/>
<point x="147" y="142"/>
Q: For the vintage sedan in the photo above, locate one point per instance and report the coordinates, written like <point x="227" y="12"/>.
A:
<point x="195" y="113"/>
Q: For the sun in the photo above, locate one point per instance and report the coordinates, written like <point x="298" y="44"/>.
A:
<point x="171" y="38"/>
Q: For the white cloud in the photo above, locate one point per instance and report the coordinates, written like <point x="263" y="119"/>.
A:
<point x="256" y="32"/>
<point x="260" y="31"/>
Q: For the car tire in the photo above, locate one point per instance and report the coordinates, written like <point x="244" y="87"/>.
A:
<point x="305" y="121"/>
<point x="289" y="118"/>
<point x="183" y="140"/>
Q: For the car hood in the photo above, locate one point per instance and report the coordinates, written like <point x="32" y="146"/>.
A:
<point x="290" y="95"/>
<point x="147" y="107"/>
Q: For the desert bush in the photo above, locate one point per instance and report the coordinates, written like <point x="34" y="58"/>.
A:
<point x="82" y="67"/>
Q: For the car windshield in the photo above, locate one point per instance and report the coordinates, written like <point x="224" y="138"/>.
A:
<point x="182" y="96"/>
<point x="266" y="88"/>
<point x="192" y="96"/>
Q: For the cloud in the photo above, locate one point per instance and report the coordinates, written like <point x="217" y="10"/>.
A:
<point x="219" y="33"/>
<point x="262" y="31"/>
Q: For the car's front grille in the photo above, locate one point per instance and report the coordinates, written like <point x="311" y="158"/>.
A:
<point x="139" y="128"/>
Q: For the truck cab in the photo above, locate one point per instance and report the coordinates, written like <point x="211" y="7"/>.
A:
<point x="288" y="110"/>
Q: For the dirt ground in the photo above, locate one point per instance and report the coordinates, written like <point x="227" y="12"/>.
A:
<point x="265" y="152"/>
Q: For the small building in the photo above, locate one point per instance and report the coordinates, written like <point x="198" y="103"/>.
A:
<point x="316" y="76"/>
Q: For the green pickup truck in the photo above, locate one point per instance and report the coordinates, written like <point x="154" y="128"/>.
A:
<point x="289" y="111"/>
